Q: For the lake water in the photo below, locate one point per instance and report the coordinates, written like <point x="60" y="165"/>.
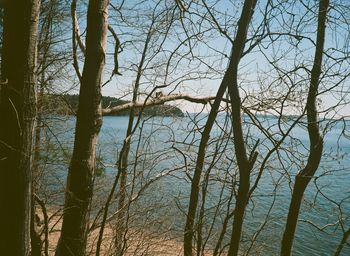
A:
<point x="167" y="153"/>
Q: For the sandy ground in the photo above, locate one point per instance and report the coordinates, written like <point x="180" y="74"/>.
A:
<point x="139" y="243"/>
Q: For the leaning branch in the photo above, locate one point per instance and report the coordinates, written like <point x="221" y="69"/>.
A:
<point x="156" y="101"/>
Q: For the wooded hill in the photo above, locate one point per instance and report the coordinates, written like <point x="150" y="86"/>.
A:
<point x="67" y="104"/>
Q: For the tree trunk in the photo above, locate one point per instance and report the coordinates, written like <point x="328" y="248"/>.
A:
<point x="241" y="202"/>
<point x="342" y="243"/>
<point x="17" y="111"/>
<point x="122" y="168"/>
<point x="237" y="49"/>
<point x="294" y="207"/>
<point x="124" y="155"/>
<point x="316" y="141"/>
<point x="244" y="164"/>
<point x="89" y="120"/>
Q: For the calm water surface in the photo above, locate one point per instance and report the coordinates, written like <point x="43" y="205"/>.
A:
<point x="161" y="135"/>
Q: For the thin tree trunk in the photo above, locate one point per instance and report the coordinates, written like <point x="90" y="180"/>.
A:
<point x="89" y="120"/>
<point x="124" y="155"/>
<point x="122" y="169"/>
<point x="229" y="77"/>
<point x="300" y="185"/>
<point x="342" y="243"/>
<point x="18" y="112"/>
<point x="316" y="141"/>
<point x="245" y="164"/>
<point x="36" y="243"/>
<point x="241" y="202"/>
<point x="44" y="44"/>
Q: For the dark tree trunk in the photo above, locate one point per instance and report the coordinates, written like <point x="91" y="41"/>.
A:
<point x="241" y="202"/>
<point x="229" y="78"/>
<point x="122" y="169"/>
<point x="17" y="112"/>
<point x="245" y="164"/>
<point x="89" y="120"/>
<point x="343" y="242"/>
<point x="316" y="141"/>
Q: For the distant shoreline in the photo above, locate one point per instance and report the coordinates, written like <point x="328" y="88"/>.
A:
<point x="67" y="104"/>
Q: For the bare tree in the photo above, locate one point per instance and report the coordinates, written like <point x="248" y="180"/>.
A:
<point x="230" y="77"/>
<point x="89" y="120"/>
<point x="303" y="178"/>
<point x="200" y="172"/>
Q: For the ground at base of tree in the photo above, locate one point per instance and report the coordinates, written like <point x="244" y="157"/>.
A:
<point x="141" y="242"/>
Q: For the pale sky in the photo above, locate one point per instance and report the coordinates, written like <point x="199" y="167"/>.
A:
<point x="254" y="66"/>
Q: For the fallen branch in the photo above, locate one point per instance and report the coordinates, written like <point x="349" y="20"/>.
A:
<point x="156" y="101"/>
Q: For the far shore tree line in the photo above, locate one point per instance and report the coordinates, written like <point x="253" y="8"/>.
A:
<point x="67" y="104"/>
<point x="261" y="60"/>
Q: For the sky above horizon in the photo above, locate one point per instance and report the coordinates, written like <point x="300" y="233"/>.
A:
<point x="190" y="56"/>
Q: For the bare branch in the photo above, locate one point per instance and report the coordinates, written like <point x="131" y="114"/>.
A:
<point x="116" y="50"/>
<point x="157" y="101"/>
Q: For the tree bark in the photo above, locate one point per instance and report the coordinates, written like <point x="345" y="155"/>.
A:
<point x="229" y="78"/>
<point x="244" y="164"/>
<point x="18" y="112"/>
<point x="316" y="141"/>
<point x="89" y="120"/>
